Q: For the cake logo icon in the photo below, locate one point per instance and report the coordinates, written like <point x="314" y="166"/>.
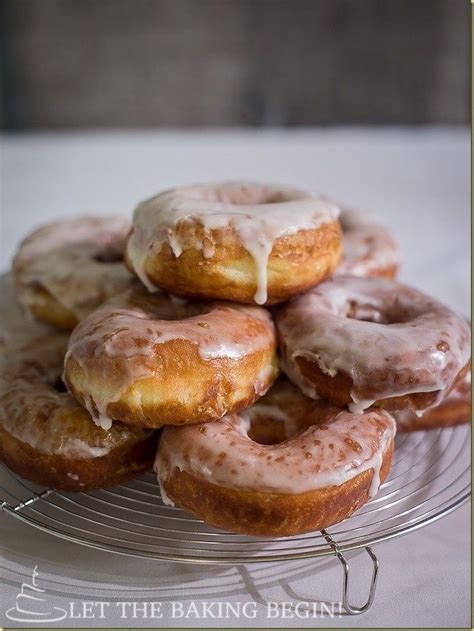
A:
<point x="32" y="606"/>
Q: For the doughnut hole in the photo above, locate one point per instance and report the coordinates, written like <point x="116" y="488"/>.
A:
<point x="268" y="431"/>
<point x="239" y="194"/>
<point x="59" y="385"/>
<point x="109" y="256"/>
<point x="267" y="428"/>
<point x="367" y="312"/>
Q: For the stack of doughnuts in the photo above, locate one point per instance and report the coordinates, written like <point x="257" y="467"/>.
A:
<point x="249" y="339"/>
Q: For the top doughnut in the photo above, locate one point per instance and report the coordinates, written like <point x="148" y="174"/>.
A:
<point x="237" y="241"/>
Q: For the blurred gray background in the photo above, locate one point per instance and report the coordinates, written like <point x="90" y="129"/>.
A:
<point x="139" y="63"/>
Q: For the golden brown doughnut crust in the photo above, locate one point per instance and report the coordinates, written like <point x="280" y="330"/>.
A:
<point x="211" y="388"/>
<point x="76" y="474"/>
<point x="275" y="515"/>
<point x="337" y="389"/>
<point x="297" y="262"/>
<point x="163" y="378"/>
<point x="47" y="308"/>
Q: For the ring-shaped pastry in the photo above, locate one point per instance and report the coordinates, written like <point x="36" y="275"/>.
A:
<point x="287" y="465"/>
<point x="151" y="359"/>
<point x="369" y="249"/>
<point x="48" y="438"/>
<point x="363" y="341"/>
<point x="65" y="269"/>
<point x="239" y="241"/>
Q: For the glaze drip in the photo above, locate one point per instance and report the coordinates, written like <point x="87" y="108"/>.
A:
<point x="460" y="394"/>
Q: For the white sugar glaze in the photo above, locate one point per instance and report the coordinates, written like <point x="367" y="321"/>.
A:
<point x="461" y="392"/>
<point x="36" y="413"/>
<point x="368" y="246"/>
<point x="78" y="261"/>
<point x="336" y="448"/>
<point x="390" y="339"/>
<point x="260" y="214"/>
<point x="131" y="327"/>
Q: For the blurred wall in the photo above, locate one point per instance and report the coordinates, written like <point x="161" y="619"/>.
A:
<point x="106" y="63"/>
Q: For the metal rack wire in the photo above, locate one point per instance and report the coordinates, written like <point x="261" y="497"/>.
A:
<point x="430" y="478"/>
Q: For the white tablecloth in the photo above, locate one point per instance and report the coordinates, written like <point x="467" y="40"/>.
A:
<point x="415" y="180"/>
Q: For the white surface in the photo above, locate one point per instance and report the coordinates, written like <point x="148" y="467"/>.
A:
<point x="417" y="182"/>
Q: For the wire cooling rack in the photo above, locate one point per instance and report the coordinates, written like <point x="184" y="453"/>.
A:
<point x="430" y="478"/>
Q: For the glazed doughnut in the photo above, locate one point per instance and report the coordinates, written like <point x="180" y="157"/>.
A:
<point x="66" y="268"/>
<point x="236" y="241"/>
<point x="368" y="247"/>
<point x="285" y="466"/>
<point x="364" y="341"/>
<point x="454" y="409"/>
<point x="149" y="359"/>
<point x="48" y="438"/>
